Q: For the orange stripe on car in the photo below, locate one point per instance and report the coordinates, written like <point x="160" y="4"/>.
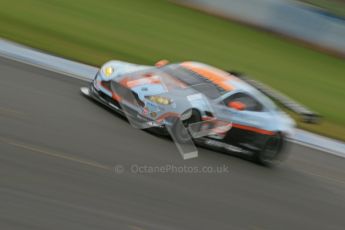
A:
<point x="207" y="118"/>
<point x="145" y="79"/>
<point x="253" y="129"/>
<point x="116" y="97"/>
<point x="217" y="77"/>
<point x="166" y="115"/>
<point x="245" y="127"/>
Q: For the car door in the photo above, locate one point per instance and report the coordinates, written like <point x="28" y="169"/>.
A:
<point x="242" y="108"/>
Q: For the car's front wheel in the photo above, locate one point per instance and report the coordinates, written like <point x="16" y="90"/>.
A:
<point x="180" y="130"/>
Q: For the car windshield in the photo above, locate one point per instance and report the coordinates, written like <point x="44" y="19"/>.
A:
<point x="193" y="80"/>
<point x="173" y="76"/>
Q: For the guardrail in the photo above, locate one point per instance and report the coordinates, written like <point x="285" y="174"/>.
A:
<point x="287" y="17"/>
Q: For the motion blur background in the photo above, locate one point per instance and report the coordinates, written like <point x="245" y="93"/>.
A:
<point x="297" y="47"/>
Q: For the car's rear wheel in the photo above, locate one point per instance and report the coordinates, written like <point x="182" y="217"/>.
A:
<point x="270" y="153"/>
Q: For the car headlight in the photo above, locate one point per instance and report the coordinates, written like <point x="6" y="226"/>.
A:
<point x="160" y="100"/>
<point x="108" y="70"/>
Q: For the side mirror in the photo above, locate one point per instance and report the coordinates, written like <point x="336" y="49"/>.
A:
<point x="237" y="105"/>
<point x="161" y="63"/>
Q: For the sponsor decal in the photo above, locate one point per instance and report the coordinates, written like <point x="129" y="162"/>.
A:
<point x="226" y="146"/>
<point x="193" y="97"/>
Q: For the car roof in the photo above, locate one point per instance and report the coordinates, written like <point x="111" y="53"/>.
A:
<point x="218" y="77"/>
<point x="225" y="81"/>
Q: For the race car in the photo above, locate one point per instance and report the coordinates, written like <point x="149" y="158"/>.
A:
<point x="195" y="100"/>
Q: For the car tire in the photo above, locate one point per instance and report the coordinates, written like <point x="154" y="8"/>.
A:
<point x="180" y="128"/>
<point x="271" y="151"/>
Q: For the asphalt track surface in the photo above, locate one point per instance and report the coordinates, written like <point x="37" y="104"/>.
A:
<point x="59" y="153"/>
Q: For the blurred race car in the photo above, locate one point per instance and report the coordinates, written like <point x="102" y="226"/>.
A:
<point x="190" y="98"/>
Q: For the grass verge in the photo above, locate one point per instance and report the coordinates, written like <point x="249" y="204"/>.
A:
<point x="148" y="30"/>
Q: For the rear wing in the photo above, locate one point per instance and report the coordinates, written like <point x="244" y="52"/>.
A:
<point x="306" y="114"/>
